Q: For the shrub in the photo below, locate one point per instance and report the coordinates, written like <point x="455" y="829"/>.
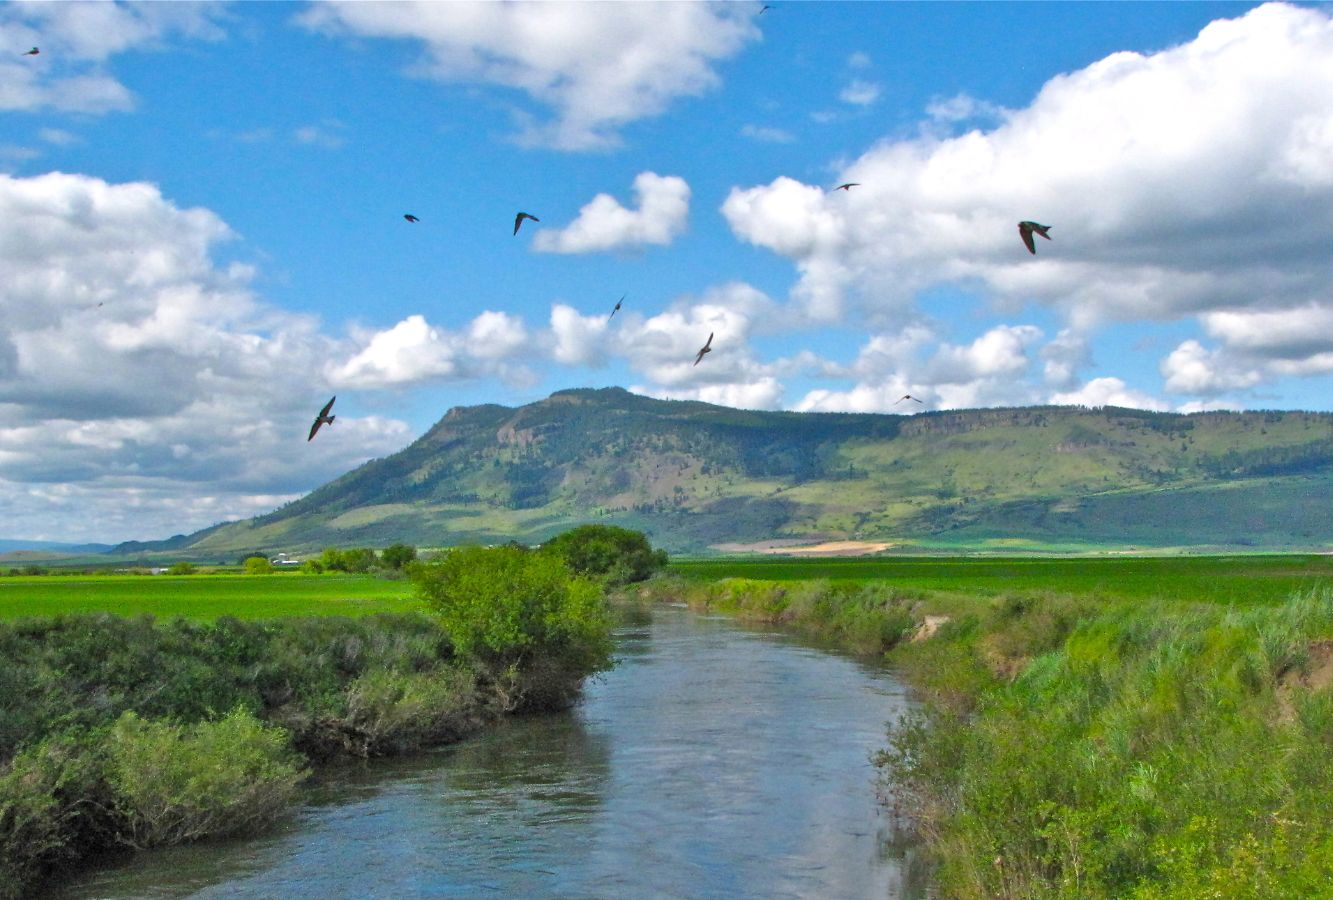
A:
<point x="182" y="568"/>
<point x="258" y="565"/>
<point x="617" y="554"/>
<point x="176" y="783"/>
<point x="506" y="608"/>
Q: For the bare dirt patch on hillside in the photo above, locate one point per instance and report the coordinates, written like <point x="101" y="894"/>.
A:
<point x="797" y="547"/>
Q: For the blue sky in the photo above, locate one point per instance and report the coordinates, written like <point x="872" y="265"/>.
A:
<point x="201" y="232"/>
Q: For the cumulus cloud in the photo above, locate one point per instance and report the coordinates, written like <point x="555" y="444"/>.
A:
<point x="597" y="66"/>
<point x="1108" y="392"/>
<point x="413" y="351"/>
<point x="1163" y="206"/>
<point x="603" y="224"/>
<point x="578" y="339"/>
<point x="78" y="40"/>
<point x="133" y="366"/>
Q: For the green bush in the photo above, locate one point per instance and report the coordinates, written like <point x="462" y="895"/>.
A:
<point x="182" y="568"/>
<point x="258" y="565"/>
<point x="507" y="609"/>
<point x="176" y="783"/>
<point x="617" y="554"/>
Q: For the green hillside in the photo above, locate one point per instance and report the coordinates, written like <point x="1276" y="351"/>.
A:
<point x="693" y="475"/>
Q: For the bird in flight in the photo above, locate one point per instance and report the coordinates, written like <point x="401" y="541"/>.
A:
<point x="617" y="307"/>
<point x="323" y="418"/>
<point x="518" y="220"/>
<point x="706" y="348"/>
<point x="33" y="52"/>
<point x="1025" y="229"/>
<point x="411" y="218"/>
<point x="765" y="9"/>
<point x="847" y="186"/>
<point x="906" y="397"/>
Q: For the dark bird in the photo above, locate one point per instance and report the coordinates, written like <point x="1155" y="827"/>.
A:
<point x="411" y="218"/>
<point x="906" y="397"/>
<point x="848" y="186"/>
<point x="706" y="348"/>
<point x="765" y="9"/>
<point x="518" y="220"/>
<point x="323" y="418"/>
<point x="33" y="52"/>
<point x="617" y="308"/>
<point x="1025" y="229"/>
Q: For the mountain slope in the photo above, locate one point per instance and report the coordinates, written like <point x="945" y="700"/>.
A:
<point x="692" y="474"/>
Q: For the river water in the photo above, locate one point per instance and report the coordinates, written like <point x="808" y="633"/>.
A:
<point x="713" y="761"/>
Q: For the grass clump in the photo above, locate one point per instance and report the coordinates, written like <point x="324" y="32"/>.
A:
<point x="1129" y="750"/>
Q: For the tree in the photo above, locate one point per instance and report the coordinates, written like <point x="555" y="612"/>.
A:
<point x="182" y="568"/>
<point x="617" y="554"/>
<point x="396" y="556"/>
<point x="258" y="565"/>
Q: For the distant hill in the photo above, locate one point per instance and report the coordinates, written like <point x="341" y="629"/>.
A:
<point x="61" y="548"/>
<point x="694" y="475"/>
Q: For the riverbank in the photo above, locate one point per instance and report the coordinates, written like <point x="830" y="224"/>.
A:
<point x="130" y="733"/>
<point x="1083" y="748"/>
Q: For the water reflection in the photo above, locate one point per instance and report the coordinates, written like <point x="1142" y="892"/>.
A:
<point x="714" y="761"/>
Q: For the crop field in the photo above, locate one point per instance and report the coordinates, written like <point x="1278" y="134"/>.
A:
<point x="205" y="597"/>
<point x="1245" y="579"/>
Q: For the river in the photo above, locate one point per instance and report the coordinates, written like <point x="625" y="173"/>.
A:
<point x="714" y="761"/>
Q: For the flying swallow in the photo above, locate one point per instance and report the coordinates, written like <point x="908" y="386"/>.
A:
<point x="906" y="397"/>
<point x="1025" y="230"/>
<point x="706" y="348"/>
<point x="33" y="52"/>
<point x="848" y="186"/>
<point x="518" y="220"/>
<point x="323" y="418"/>
<point x="765" y="9"/>
<point x="411" y="218"/>
<point x="617" y="307"/>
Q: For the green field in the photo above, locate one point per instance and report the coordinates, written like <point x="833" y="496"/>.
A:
<point x="205" y="597"/>
<point x="1217" y="579"/>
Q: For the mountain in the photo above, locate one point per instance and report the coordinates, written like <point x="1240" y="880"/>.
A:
<point x="693" y="475"/>
<point x="8" y="546"/>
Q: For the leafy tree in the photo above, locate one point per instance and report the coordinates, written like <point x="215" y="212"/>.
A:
<point x="182" y="568"/>
<point x="396" y="556"/>
<point x="360" y="560"/>
<point x="618" y="554"/>
<point x="258" y="565"/>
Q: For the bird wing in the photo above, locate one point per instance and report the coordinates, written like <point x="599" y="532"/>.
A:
<point x="327" y="406"/>
<point x="314" y="428"/>
<point x="1026" y="232"/>
<point x="518" y="220"/>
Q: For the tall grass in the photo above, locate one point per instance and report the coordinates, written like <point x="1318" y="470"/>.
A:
<point x="1136" y="750"/>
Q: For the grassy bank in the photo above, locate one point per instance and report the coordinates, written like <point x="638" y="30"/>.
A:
<point x="1090" y="746"/>
<point x="126" y="733"/>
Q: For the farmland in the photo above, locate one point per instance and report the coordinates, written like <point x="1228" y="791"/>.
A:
<point x="205" y="597"/>
<point x="1249" y="579"/>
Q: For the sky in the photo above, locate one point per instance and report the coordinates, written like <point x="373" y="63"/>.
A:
<point x="202" y="232"/>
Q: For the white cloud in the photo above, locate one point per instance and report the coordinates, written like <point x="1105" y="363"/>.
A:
<point x="1163" y="207"/>
<point x="578" y="339"/>
<point x="859" y="60"/>
<point x="767" y="134"/>
<point x="142" y="381"/>
<point x="413" y="352"/>
<point x="603" y="224"/>
<point x="78" y="39"/>
<point x="598" y="66"/>
<point x="860" y="92"/>
<point x="1108" y="392"/>
<point x="1193" y="369"/>
<point x="1000" y="352"/>
<point x="57" y="136"/>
